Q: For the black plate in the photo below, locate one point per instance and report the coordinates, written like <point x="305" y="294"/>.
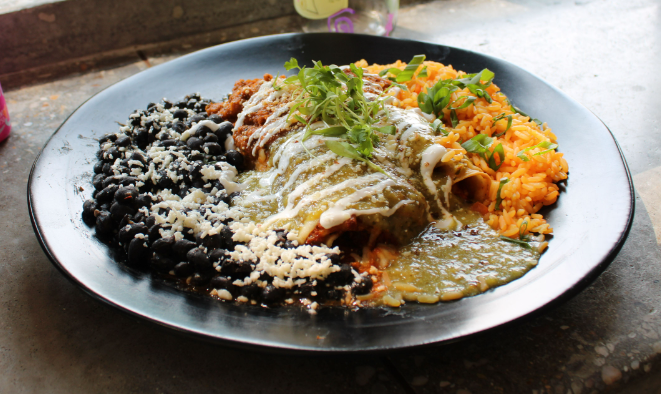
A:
<point x="591" y="219"/>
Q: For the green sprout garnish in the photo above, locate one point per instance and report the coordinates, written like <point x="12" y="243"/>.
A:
<point x="328" y="93"/>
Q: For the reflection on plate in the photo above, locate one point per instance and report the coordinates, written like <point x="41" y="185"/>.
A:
<point x="588" y="231"/>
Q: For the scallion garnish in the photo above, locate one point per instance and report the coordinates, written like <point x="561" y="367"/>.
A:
<point x="480" y="144"/>
<point x="407" y="73"/>
<point x="499" y="199"/>
<point x="499" y="117"/>
<point x="523" y="244"/>
<point x="548" y="146"/>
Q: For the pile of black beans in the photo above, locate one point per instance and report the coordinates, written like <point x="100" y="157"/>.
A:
<point x="121" y="205"/>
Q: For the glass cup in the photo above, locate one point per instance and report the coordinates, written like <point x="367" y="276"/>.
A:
<point x="376" y="17"/>
<point x="5" y="124"/>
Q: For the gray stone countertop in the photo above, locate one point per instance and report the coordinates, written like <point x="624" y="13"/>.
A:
<point x="603" y="53"/>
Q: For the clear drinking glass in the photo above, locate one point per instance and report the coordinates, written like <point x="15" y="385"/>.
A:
<point x="376" y="17"/>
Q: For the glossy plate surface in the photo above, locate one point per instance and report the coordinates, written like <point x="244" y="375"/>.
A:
<point x="591" y="219"/>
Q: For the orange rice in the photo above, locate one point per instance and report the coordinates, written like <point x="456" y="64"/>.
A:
<point x="532" y="183"/>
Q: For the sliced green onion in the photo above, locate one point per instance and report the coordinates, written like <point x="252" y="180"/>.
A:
<point x="523" y="244"/>
<point x="499" y="199"/>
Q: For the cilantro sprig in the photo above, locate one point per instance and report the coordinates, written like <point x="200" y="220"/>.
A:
<point x="337" y="98"/>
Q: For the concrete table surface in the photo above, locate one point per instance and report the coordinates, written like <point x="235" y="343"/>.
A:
<point x="603" y="53"/>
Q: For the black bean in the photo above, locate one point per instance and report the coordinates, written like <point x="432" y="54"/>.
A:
<point x="150" y="105"/>
<point x="107" y="138"/>
<point x="183" y="191"/>
<point x="107" y="193"/>
<point x="195" y="143"/>
<point x="272" y="295"/>
<point x="89" y="207"/>
<point x="126" y="195"/>
<point x="223" y="282"/>
<point x="183" y="269"/>
<point x="143" y="200"/>
<point x="98" y="167"/>
<point x="128" y="232"/>
<point x="164" y="182"/>
<point x="98" y="181"/>
<point x="162" y="263"/>
<point x="119" y="210"/>
<point x="218" y="185"/>
<point x="123" y="180"/>
<point x="112" y="154"/>
<point x="210" y="138"/>
<point x="182" y="247"/>
<point x="335" y="258"/>
<point x="362" y="287"/>
<point x="235" y="159"/>
<point x="163" y="245"/>
<point x="167" y="104"/>
<point x="138" y="252"/>
<point x="104" y="223"/>
<point x="226" y="234"/>
<point x="139" y="157"/>
<point x="179" y="127"/>
<point x="218" y="255"/>
<point x="341" y="277"/>
<point x="198" y="183"/>
<point x="196" y="118"/>
<point x="215" y="118"/>
<point x="212" y="148"/>
<point x="107" y="169"/>
<point x="333" y="294"/>
<point x="251" y="291"/>
<point x="224" y="129"/>
<point x="289" y="245"/>
<point x="200" y="278"/>
<point x="237" y="269"/>
<point x="196" y="156"/>
<point x="199" y="260"/>
<point x="150" y="221"/>
<point x="203" y="131"/>
<point x="123" y="141"/>
<point x="154" y="232"/>
<point x="191" y="104"/>
<point x="211" y="241"/>
<point x="139" y="217"/>
<point x="166" y="143"/>
<point x="180" y="114"/>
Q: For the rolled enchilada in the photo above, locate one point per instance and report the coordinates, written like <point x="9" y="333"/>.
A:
<point x="315" y="194"/>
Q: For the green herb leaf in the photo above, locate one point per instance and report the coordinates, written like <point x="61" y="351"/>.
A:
<point x="387" y="130"/>
<point x="453" y="118"/>
<point x="437" y="126"/>
<point x="499" y="199"/>
<point x="523" y="244"/>
<point x="423" y="73"/>
<point x="478" y="144"/>
<point x="345" y="149"/>
<point x="509" y="123"/>
<point x="410" y="69"/>
<point x="291" y="64"/>
<point x="335" y="131"/>
<point x="501" y="156"/>
<point x="549" y="146"/>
